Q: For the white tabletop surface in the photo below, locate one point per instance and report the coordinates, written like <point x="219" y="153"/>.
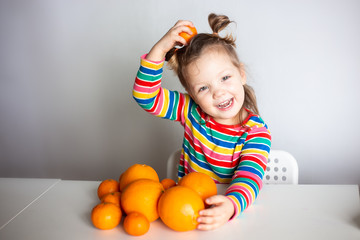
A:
<point x="280" y="212"/>
<point x="17" y="194"/>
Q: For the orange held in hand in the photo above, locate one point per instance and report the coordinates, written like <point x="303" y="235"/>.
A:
<point x="136" y="224"/>
<point x="142" y="196"/>
<point x="137" y="171"/>
<point x="107" y="186"/>
<point x="188" y="37"/>
<point x="201" y="183"/>
<point x="106" y="216"/>
<point x="179" y="208"/>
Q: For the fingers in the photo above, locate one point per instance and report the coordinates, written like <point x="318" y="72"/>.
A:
<point x="211" y="220"/>
<point x="177" y="38"/>
<point x="215" y="200"/>
<point x="212" y="211"/>
<point x="209" y="224"/>
<point x="172" y="37"/>
<point x="219" y="213"/>
<point x="183" y="26"/>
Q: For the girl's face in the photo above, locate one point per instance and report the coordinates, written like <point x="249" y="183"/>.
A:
<point x="216" y="85"/>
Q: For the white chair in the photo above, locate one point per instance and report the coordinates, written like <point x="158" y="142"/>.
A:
<point x="173" y="165"/>
<point x="281" y="168"/>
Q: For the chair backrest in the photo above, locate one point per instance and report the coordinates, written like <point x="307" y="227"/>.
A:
<point x="282" y="168"/>
<point x="173" y="165"/>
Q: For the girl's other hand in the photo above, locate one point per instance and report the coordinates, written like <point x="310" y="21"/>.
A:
<point x="219" y="213"/>
<point x="170" y="40"/>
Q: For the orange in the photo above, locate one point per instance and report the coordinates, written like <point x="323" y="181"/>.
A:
<point x="168" y="183"/>
<point x="106" y="216"/>
<point x="137" y="171"/>
<point x="113" y="197"/>
<point x="179" y="208"/>
<point x="142" y="196"/>
<point x="136" y="224"/>
<point x="120" y="179"/>
<point x="107" y="186"/>
<point x="188" y="37"/>
<point x="201" y="183"/>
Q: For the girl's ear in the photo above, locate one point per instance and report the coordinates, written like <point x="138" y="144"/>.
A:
<point x="242" y="74"/>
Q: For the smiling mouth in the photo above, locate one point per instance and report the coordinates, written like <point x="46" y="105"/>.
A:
<point x="225" y="104"/>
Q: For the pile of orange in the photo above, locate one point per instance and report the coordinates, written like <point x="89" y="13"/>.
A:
<point x="142" y="198"/>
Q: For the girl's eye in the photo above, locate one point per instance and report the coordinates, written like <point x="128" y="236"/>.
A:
<point x="202" y="89"/>
<point x="225" y="78"/>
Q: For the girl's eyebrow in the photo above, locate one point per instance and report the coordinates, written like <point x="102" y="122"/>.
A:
<point x="225" y="71"/>
<point x="197" y="83"/>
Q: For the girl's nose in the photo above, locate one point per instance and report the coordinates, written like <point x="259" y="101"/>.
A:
<point x="218" y="93"/>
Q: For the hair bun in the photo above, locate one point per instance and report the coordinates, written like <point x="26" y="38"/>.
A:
<point x="218" y="22"/>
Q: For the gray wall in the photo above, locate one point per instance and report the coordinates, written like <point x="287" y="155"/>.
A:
<point x="67" y="70"/>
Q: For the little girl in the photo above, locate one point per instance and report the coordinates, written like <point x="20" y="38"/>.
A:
<point x="224" y="135"/>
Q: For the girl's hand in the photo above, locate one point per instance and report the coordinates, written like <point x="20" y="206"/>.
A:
<point x="221" y="211"/>
<point x="170" y="40"/>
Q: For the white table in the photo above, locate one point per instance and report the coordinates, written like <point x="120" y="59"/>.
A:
<point x="280" y="212"/>
<point x="17" y="194"/>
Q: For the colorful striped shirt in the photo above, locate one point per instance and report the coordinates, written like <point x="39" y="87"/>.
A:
<point x="236" y="154"/>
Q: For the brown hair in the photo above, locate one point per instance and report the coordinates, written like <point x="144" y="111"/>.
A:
<point x="179" y="59"/>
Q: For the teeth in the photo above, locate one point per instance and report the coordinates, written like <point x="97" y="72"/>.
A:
<point x="226" y="103"/>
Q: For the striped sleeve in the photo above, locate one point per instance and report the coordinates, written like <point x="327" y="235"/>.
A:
<point x="154" y="99"/>
<point x="247" y="179"/>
